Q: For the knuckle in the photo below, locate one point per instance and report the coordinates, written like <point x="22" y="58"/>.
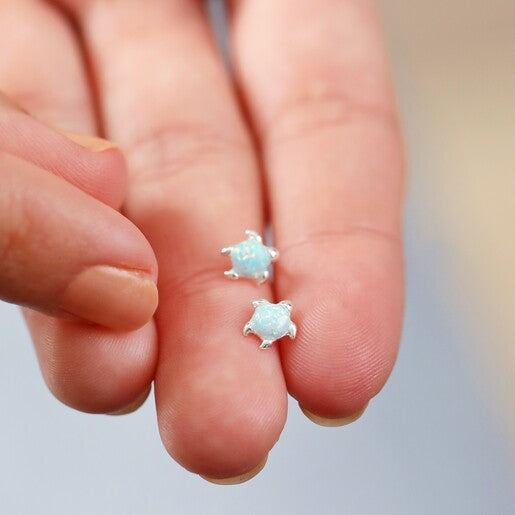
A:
<point x="171" y="149"/>
<point x="165" y="162"/>
<point x="350" y="230"/>
<point x="304" y="253"/>
<point x="311" y="112"/>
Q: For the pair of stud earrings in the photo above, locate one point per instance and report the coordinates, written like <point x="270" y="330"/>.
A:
<point x="251" y="258"/>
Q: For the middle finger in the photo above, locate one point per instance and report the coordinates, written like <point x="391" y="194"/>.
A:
<point x="194" y="187"/>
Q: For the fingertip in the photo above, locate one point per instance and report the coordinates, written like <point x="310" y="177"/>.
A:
<point x="332" y="372"/>
<point x="222" y="420"/>
<point x="222" y="447"/>
<point x="350" y="321"/>
<point x="90" y="368"/>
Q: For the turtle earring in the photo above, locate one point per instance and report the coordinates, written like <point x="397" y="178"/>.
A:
<point x="271" y="322"/>
<point x="250" y="258"/>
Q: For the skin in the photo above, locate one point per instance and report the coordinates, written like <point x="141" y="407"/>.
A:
<point x="305" y="136"/>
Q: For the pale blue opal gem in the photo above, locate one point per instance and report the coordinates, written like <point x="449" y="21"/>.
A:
<point x="250" y="258"/>
<point x="271" y="321"/>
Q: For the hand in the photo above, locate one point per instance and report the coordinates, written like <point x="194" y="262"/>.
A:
<point x="308" y="140"/>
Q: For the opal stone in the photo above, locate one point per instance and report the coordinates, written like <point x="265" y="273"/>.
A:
<point x="250" y="258"/>
<point x="271" y="321"/>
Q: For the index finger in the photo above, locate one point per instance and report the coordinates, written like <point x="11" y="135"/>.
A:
<point x="315" y="78"/>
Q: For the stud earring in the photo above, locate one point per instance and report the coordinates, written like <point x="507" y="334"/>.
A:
<point x="271" y="322"/>
<point x="250" y="258"/>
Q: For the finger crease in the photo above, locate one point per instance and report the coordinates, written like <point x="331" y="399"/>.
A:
<point x="171" y="150"/>
<point x="349" y="231"/>
<point x="309" y="114"/>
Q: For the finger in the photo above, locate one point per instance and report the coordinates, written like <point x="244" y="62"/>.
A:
<point x="105" y="272"/>
<point x="322" y="105"/>
<point x="87" y="367"/>
<point x="193" y="189"/>
<point x="92" y="369"/>
<point x="94" y="165"/>
<point x="42" y="67"/>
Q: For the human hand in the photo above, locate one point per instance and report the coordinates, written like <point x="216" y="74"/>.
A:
<point x="313" y="82"/>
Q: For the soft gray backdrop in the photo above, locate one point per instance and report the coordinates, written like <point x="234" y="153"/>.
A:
<point x="429" y="443"/>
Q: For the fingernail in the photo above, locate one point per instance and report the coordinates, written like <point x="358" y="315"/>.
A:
<point x="333" y="422"/>
<point x="134" y="405"/>
<point x="238" y="479"/>
<point x="90" y="142"/>
<point x="112" y="297"/>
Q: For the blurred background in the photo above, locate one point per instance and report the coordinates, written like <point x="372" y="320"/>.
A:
<point x="440" y="437"/>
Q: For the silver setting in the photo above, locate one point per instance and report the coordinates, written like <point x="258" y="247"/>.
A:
<point x="253" y="235"/>
<point x="287" y="303"/>
<point x="231" y="274"/>
<point x="274" y="253"/>
<point x="292" y="331"/>
<point x="247" y="329"/>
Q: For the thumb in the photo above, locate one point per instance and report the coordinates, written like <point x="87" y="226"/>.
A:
<point x="67" y="254"/>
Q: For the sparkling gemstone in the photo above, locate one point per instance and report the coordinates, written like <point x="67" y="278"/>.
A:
<point x="250" y="258"/>
<point x="271" y="321"/>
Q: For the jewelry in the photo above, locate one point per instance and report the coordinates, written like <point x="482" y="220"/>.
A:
<point x="271" y="322"/>
<point x="250" y="258"/>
